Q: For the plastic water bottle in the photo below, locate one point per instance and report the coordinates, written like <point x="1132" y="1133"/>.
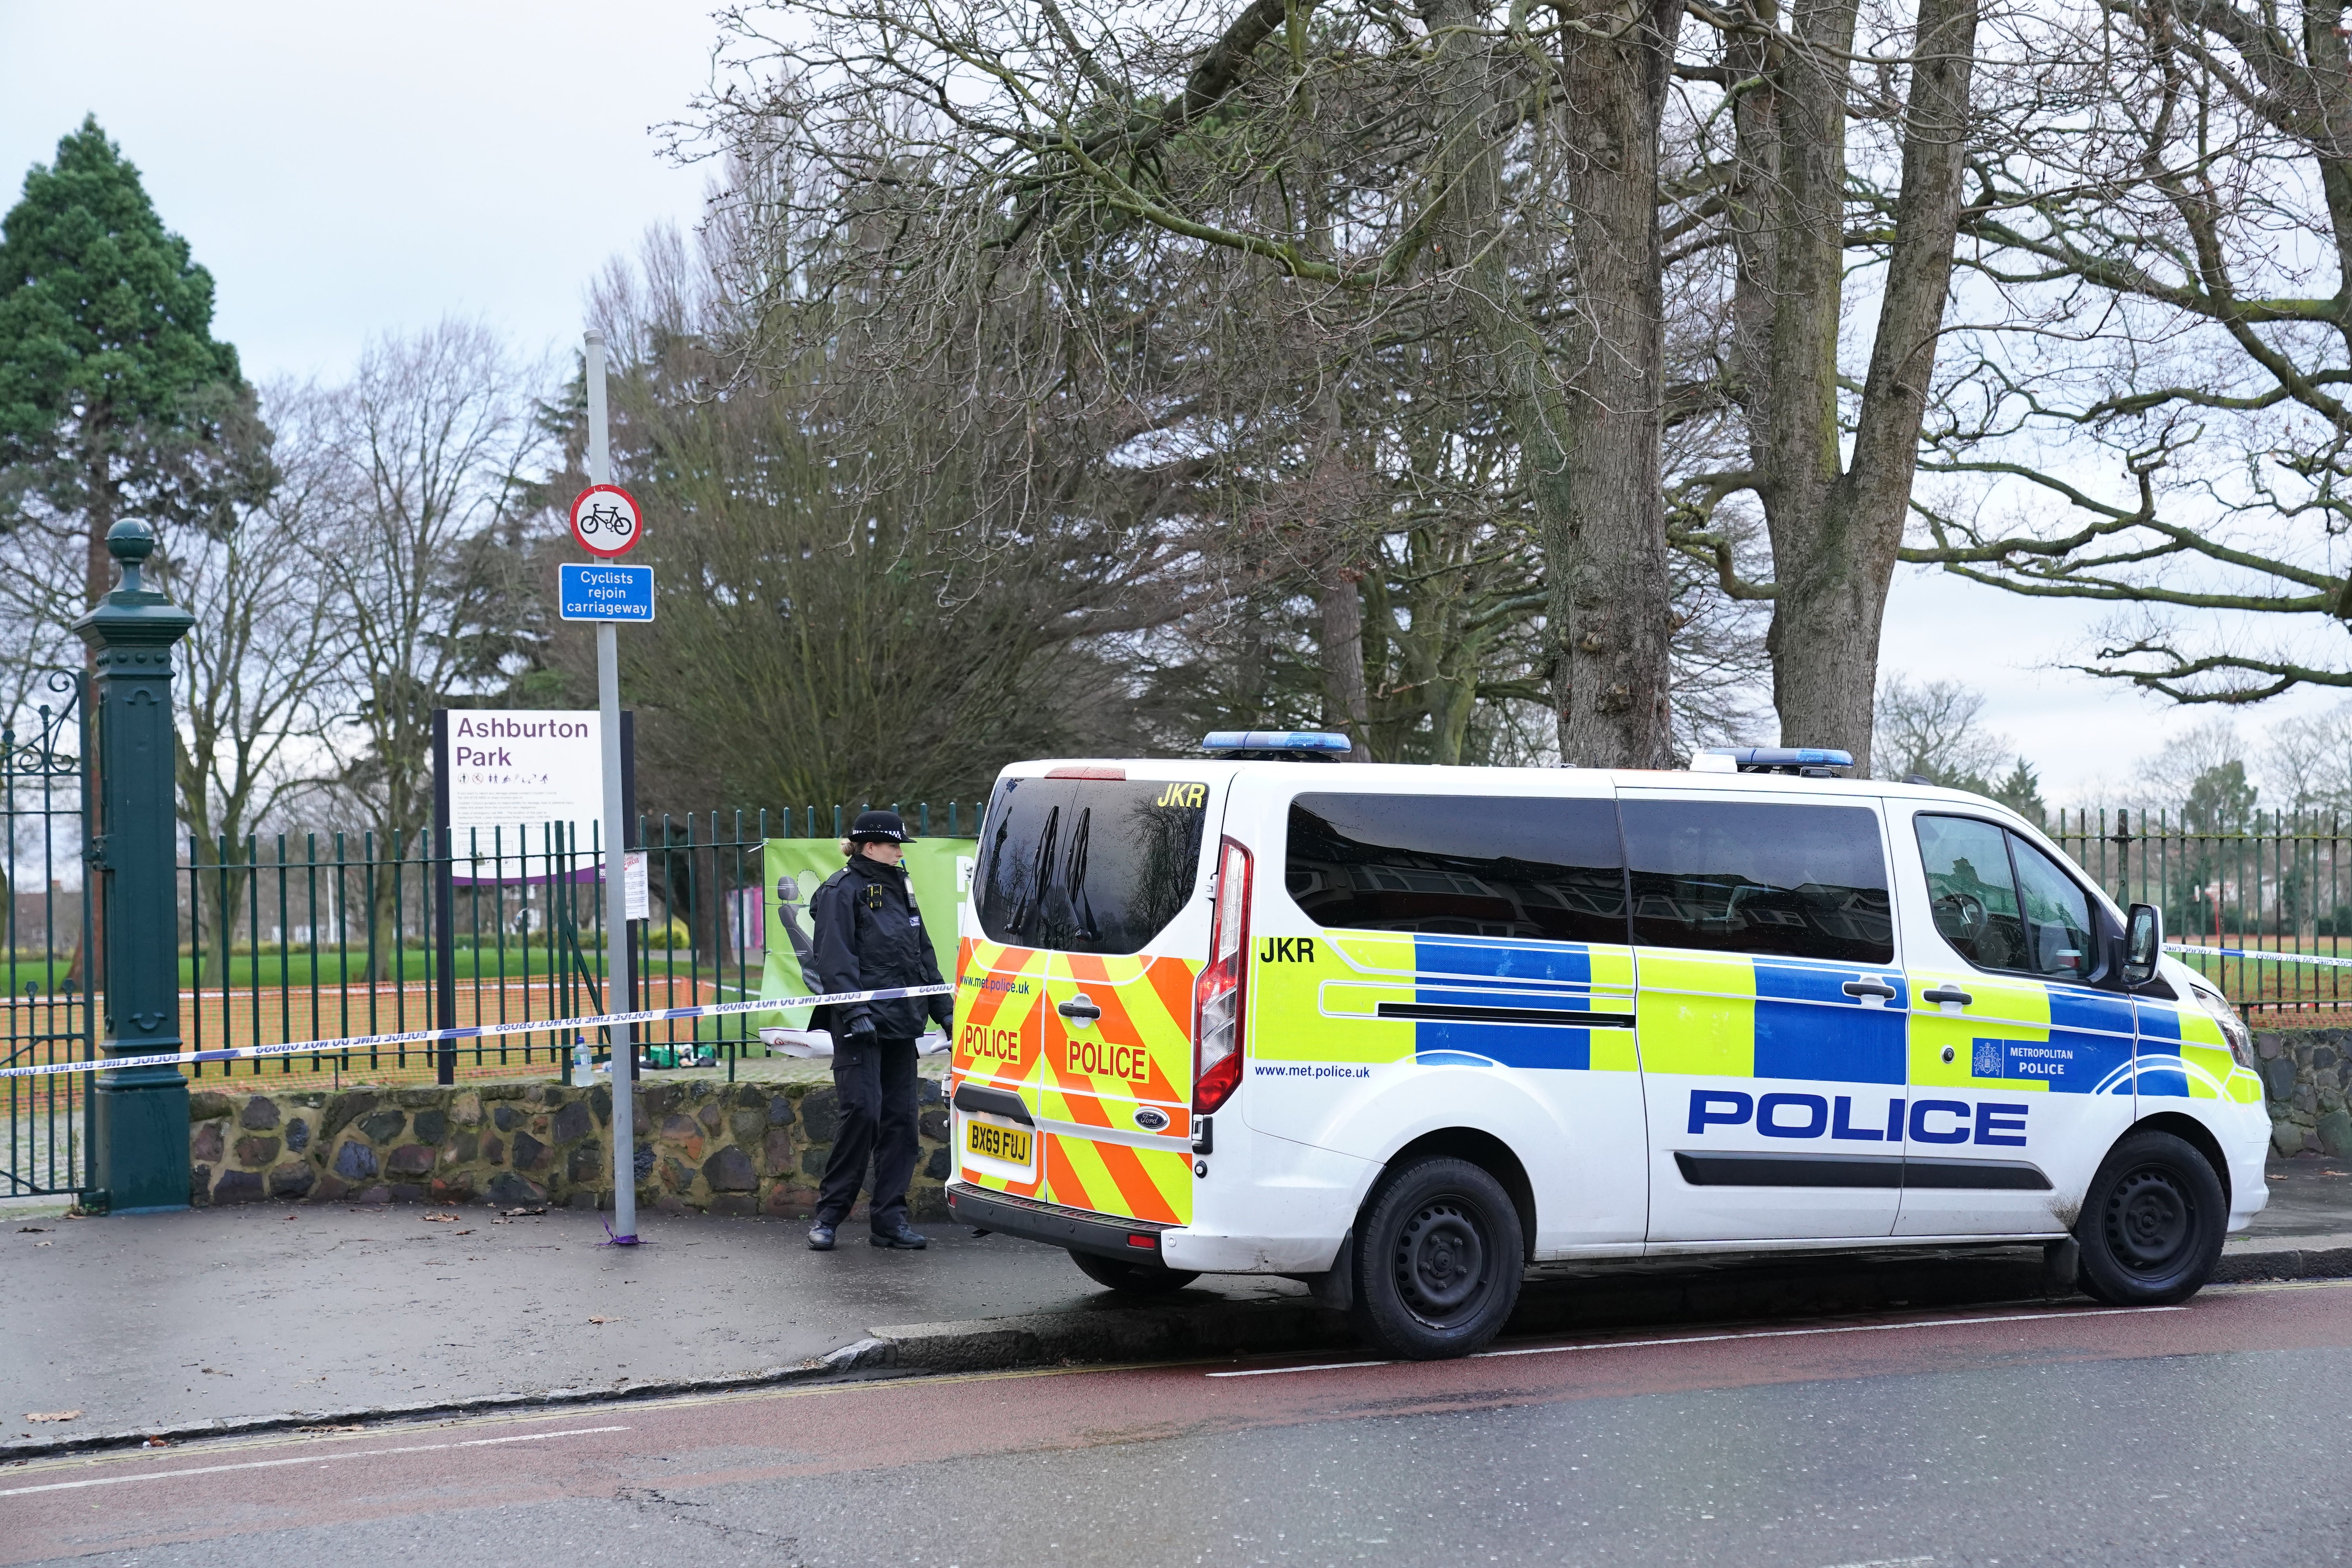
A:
<point x="582" y="1063"/>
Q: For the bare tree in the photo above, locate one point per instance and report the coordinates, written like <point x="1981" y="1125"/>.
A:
<point x="258" y="671"/>
<point x="1496" y="177"/>
<point x="1774" y="175"/>
<point x="1933" y="729"/>
<point x="2154" y="418"/>
<point x="427" y="449"/>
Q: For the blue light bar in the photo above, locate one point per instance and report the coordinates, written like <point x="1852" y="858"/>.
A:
<point x="1276" y="740"/>
<point x="1772" y="759"/>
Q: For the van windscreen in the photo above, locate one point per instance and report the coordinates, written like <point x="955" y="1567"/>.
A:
<point x="1088" y="865"/>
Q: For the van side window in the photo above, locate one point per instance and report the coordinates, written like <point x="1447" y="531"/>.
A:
<point x="2058" y="926"/>
<point x="1970" y="890"/>
<point x="2004" y="904"/>
<point x="1792" y="881"/>
<point x="1459" y="865"/>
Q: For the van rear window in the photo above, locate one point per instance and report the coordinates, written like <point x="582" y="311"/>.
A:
<point x="1088" y="865"/>
<point x="1459" y="865"/>
<point x="1799" y="882"/>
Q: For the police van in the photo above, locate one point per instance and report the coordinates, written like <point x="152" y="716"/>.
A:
<point x="1402" y="1031"/>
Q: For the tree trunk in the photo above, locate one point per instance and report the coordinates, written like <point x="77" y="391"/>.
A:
<point x="1346" y="705"/>
<point x="1836" y="532"/>
<point x="1617" y="61"/>
<point x="1588" y="449"/>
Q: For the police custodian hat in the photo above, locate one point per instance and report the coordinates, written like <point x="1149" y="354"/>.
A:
<point x="883" y="827"/>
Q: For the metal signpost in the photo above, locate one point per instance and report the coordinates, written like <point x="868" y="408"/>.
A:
<point x="607" y="522"/>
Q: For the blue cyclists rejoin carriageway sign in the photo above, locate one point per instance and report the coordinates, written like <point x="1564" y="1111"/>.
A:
<point x="602" y="592"/>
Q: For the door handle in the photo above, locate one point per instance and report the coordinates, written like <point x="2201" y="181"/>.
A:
<point x="1878" y="988"/>
<point x="1081" y="1006"/>
<point x="1946" y="993"/>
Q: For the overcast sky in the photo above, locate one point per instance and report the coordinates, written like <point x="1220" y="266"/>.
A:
<point x="346" y="170"/>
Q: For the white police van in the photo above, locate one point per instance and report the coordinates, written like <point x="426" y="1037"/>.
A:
<point x="1402" y="1031"/>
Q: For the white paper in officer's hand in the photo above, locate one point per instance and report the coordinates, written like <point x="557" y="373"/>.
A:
<point x="798" y="1042"/>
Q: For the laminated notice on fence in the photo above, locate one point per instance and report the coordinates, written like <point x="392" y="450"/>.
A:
<point x="633" y="885"/>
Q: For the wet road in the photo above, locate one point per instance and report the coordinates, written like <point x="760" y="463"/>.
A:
<point x="2205" y="1433"/>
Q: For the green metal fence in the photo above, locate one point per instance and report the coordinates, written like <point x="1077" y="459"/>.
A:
<point x="2281" y="884"/>
<point x="332" y="935"/>
<point x="49" y="1003"/>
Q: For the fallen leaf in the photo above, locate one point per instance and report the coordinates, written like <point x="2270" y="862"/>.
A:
<point x="513" y="1214"/>
<point x="600" y="1320"/>
<point x="440" y="1220"/>
<point x="52" y="1414"/>
<point x="155" y="1443"/>
<point x="32" y="1230"/>
<point x="329" y="1429"/>
<point x="468" y="1231"/>
<point x="45" y="1243"/>
<point x="215" y="1371"/>
<point x="502" y="1222"/>
<point x="289" y="1216"/>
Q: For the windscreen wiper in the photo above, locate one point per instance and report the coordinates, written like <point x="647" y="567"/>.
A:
<point x="1074" y="878"/>
<point x="1033" y="897"/>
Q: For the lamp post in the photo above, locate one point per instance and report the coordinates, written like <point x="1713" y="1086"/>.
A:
<point x="139" y="1156"/>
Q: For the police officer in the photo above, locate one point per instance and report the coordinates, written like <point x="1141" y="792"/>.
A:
<point x="870" y="937"/>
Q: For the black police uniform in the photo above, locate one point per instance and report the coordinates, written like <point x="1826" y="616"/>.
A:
<point x="870" y="937"/>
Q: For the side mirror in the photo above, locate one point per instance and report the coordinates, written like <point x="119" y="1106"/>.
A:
<point x="2143" y="943"/>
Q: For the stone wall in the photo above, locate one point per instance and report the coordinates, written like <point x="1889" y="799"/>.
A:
<point x="2305" y="1076"/>
<point x="702" y="1144"/>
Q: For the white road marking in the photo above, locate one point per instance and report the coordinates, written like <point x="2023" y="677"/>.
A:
<point x="1318" y="1366"/>
<point x="1711" y="1339"/>
<point x="308" y="1459"/>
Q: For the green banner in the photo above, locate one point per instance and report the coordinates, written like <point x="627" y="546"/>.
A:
<point x="940" y="870"/>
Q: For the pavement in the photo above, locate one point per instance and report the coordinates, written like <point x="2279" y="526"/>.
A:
<point x="258" y="1317"/>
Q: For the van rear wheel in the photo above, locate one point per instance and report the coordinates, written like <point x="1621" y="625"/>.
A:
<point x="2152" y="1222"/>
<point x="1133" y="1278"/>
<point x="1437" y="1262"/>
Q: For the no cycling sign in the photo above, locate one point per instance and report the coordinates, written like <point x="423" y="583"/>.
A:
<point x="606" y="522"/>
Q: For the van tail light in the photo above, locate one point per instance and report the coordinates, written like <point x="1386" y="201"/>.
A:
<point x="1217" y="997"/>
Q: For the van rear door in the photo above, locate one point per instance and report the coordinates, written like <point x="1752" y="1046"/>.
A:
<point x="1085" y="935"/>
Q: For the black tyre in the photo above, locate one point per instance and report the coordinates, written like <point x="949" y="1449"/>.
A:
<point x="2152" y="1223"/>
<point x="1437" y="1258"/>
<point x="1134" y="1279"/>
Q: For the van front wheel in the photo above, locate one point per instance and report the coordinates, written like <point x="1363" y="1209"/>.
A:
<point x="2152" y="1223"/>
<point x="1134" y="1279"/>
<point x="1437" y="1259"/>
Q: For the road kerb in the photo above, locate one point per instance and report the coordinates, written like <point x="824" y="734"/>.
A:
<point x="1179" y="1330"/>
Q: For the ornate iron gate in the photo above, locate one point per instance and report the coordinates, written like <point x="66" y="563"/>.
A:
<point x="51" y="950"/>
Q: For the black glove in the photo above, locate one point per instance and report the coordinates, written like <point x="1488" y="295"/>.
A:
<point x="860" y="1031"/>
<point x="943" y="1014"/>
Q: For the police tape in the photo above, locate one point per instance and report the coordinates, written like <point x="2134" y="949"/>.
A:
<point x="483" y="1031"/>
<point x="2256" y="953"/>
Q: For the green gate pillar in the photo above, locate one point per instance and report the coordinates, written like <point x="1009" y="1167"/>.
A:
<point x="138" y="1155"/>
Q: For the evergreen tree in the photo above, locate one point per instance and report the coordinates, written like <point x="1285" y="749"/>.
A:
<point x="115" y="399"/>
<point x="2021" y="793"/>
<point x="2221" y="800"/>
